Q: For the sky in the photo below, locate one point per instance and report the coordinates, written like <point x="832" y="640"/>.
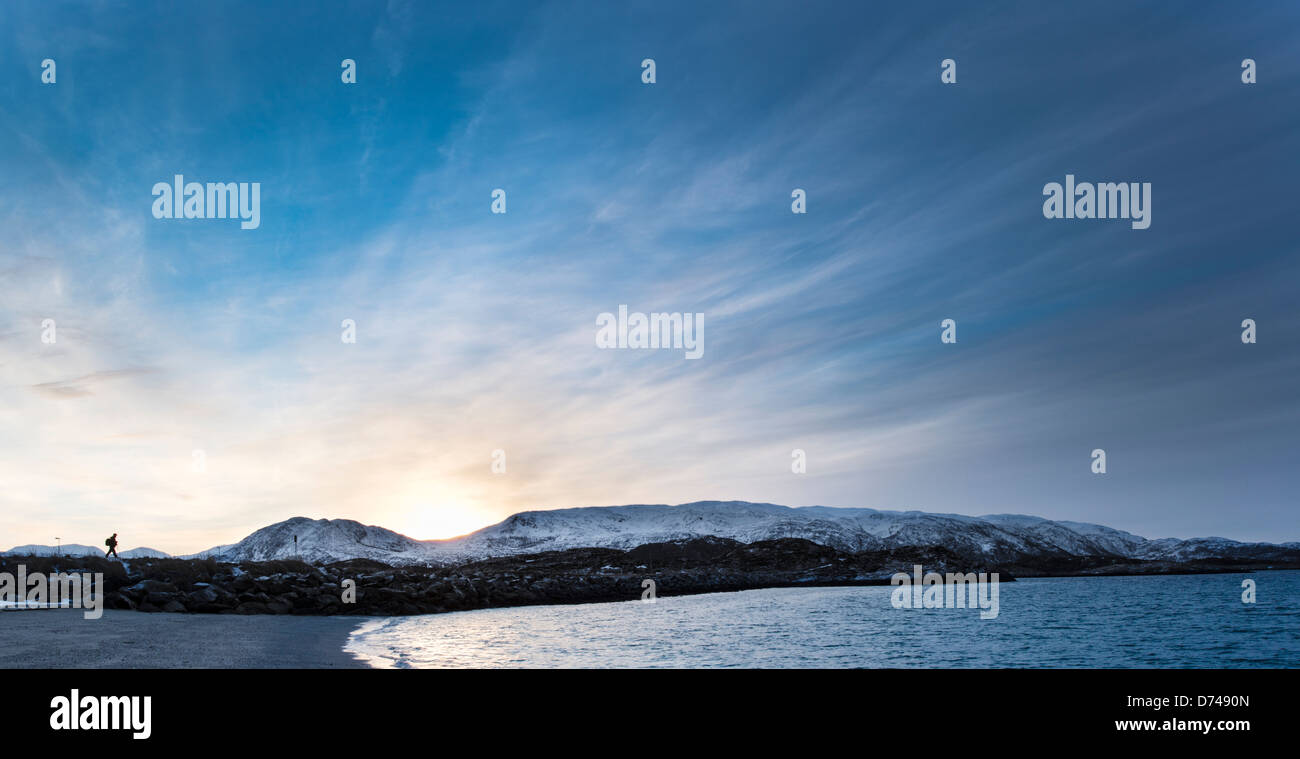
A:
<point x="198" y="386"/>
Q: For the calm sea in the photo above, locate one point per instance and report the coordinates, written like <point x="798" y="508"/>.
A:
<point x="1171" y="621"/>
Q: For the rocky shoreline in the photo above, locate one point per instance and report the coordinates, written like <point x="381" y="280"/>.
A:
<point x="581" y="575"/>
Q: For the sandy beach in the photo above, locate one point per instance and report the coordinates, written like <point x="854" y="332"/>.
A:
<point x="56" y="639"/>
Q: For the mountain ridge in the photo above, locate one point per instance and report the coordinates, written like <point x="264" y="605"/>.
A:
<point x="77" y="549"/>
<point x="992" y="537"/>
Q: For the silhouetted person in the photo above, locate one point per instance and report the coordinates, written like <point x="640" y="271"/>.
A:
<point x="112" y="547"/>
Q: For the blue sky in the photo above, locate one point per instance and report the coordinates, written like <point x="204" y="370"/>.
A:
<point x="475" y="331"/>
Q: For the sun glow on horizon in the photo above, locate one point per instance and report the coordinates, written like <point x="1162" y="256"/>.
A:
<point x="428" y="521"/>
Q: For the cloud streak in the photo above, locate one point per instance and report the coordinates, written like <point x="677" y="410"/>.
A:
<point x="475" y="332"/>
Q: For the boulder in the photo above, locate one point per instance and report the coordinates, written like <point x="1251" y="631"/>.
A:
<point x="151" y="586"/>
<point x="119" y="601"/>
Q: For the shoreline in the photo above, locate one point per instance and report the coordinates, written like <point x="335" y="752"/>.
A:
<point x="64" y="639"/>
<point x="123" y="639"/>
<point x="810" y="584"/>
<point x="363" y="588"/>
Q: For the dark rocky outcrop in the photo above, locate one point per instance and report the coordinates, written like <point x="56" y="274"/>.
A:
<point x="580" y="575"/>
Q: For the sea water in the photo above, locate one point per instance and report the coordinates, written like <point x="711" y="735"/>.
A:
<point x="1152" y="621"/>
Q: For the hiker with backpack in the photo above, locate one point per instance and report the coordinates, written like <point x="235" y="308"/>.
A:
<point x="112" y="547"/>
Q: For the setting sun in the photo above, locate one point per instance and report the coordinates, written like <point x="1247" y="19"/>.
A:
<point x="429" y="521"/>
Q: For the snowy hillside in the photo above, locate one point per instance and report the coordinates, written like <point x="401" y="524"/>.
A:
<point x="322" y="540"/>
<point x="74" y="549"/>
<point x="144" y="553"/>
<point x="999" y="537"/>
<point x="67" y="549"/>
<point x="996" y="537"/>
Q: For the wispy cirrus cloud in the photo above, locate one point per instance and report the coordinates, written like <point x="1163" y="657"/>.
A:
<point x="182" y="344"/>
<point x="79" y="387"/>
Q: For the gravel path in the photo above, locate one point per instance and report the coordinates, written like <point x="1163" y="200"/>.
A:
<point x="56" y="639"/>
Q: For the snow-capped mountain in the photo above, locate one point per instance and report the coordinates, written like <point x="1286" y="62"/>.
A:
<point x="67" y="549"/>
<point x="76" y="549"/>
<point x="144" y="553"/>
<point x="995" y="537"/>
<point x="322" y="540"/>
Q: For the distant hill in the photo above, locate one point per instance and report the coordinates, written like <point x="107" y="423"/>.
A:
<point x="322" y="540"/>
<point x="76" y="549"/>
<point x="994" y="538"/>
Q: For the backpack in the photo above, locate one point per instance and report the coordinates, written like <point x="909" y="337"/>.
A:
<point x="108" y="542"/>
